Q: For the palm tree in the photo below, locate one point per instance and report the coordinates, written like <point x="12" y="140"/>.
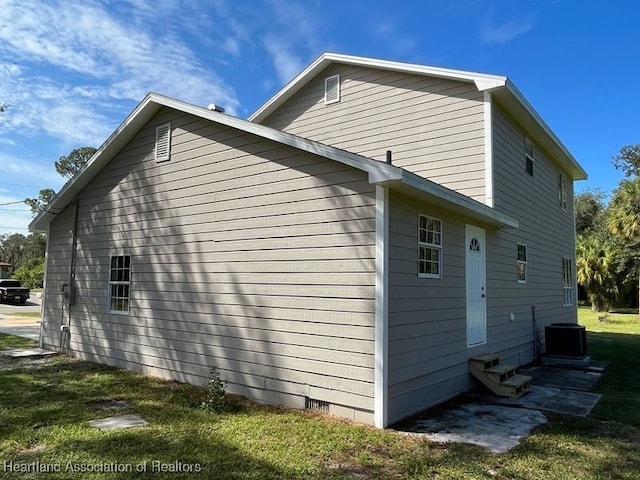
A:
<point x="595" y="270"/>
<point x="623" y="219"/>
<point x="624" y="211"/>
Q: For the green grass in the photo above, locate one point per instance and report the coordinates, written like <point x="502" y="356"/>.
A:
<point x="44" y="410"/>
<point x="26" y="314"/>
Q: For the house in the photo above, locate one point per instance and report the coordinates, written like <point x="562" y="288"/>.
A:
<point x="350" y="247"/>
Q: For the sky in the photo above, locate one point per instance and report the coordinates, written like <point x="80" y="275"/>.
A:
<point x="72" y="70"/>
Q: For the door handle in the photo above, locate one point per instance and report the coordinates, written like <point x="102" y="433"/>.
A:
<point x="483" y="295"/>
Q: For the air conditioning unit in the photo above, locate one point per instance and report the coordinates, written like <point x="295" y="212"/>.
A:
<point x="567" y="340"/>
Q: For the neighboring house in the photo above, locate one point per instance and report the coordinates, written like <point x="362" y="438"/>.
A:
<point x="5" y="270"/>
<point x="290" y="254"/>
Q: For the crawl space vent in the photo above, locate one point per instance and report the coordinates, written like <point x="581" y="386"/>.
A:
<point x="313" y="404"/>
<point x="332" y="89"/>
<point x="163" y="142"/>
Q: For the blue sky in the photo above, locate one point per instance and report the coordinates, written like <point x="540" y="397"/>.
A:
<point x="71" y="71"/>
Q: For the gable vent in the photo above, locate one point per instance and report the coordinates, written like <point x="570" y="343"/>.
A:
<point x="163" y="142"/>
<point x="332" y="89"/>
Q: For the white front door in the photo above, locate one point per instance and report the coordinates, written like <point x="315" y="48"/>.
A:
<point x="476" y="286"/>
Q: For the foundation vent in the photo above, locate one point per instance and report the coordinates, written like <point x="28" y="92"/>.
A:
<point x="313" y="404"/>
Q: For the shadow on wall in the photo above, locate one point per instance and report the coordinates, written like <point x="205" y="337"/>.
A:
<point x="229" y="269"/>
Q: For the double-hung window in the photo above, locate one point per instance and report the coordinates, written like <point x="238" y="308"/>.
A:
<point x="521" y="263"/>
<point x="529" y="155"/>
<point x="562" y="190"/>
<point x="119" y="284"/>
<point x="567" y="282"/>
<point x="429" y="247"/>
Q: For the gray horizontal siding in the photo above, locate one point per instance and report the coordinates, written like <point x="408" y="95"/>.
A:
<point x="427" y="317"/>
<point x="433" y="126"/>
<point x="546" y="229"/>
<point x="245" y="254"/>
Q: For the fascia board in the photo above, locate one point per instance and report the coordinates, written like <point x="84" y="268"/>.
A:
<point x="545" y="136"/>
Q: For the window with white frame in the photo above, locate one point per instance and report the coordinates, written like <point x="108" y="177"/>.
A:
<point x="429" y="247"/>
<point x="562" y="190"/>
<point x="119" y="283"/>
<point x="567" y="282"/>
<point x="521" y="263"/>
<point x="332" y="89"/>
<point x="529" y="155"/>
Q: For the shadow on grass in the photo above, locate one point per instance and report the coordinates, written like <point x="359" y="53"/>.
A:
<point x="46" y="408"/>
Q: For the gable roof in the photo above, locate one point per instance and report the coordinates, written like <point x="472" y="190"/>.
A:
<point x="500" y="88"/>
<point x="378" y="172"/>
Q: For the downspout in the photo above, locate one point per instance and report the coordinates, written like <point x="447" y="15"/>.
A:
<point x="381" y="380"/>
<point x="65" y="329"/>
<point x="43" y="303"/>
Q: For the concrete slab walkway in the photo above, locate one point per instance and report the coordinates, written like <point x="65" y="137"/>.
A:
<point x="498" y="423"/>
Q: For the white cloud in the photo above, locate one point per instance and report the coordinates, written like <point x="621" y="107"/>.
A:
<point x="294" y="33"/>
<point x="77" y="64"/>
<point x="286" y="63"/>
<point x="493" y="33"/>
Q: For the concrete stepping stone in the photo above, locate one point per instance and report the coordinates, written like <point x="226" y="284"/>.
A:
<point x="28" y="353"/>
<point x="121" y="421"/>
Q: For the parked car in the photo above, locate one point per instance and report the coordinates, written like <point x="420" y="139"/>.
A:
<point x="12" y="291"/>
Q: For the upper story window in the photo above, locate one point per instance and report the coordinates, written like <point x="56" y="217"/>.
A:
<point x="163" y="142"/>
<point x="429" y="247"/>
<point x="332" y="89"/>
<point x="529" y="155"/>
<point x="521" y="263"/>
<point x="562" y="190"/>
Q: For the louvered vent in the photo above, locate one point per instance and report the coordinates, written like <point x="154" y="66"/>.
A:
<point x="332" y="89"/>
<point x="163" y="142"/>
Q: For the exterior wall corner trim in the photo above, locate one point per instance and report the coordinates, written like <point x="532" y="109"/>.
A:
<point x="381" y="373"/>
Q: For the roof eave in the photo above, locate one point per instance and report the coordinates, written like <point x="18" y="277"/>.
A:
<point x="482" y="81"/>
<point x="138" y="117"/>
<point x="520" y="108"/>
<point x="434" y="193"/>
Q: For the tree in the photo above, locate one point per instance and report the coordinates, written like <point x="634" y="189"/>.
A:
<point x="37" y="205"/>
<point x="590" y="211"/>
<point x="623" y="220"/>
<point x="595" y="268"/>
<point x="71" y="164"/>
<point x="628" y="160"/>
<point x="623" y="217"/>
<point x="26" y="255"/>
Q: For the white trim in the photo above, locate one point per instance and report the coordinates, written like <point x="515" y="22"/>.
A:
<point x="482" y="81"/>
<point x="381" y="373"/>
<point x="488" y="150"/>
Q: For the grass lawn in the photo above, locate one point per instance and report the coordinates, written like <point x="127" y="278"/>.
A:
<point x="44" y="410"/>
<point x="26" y="314"/>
